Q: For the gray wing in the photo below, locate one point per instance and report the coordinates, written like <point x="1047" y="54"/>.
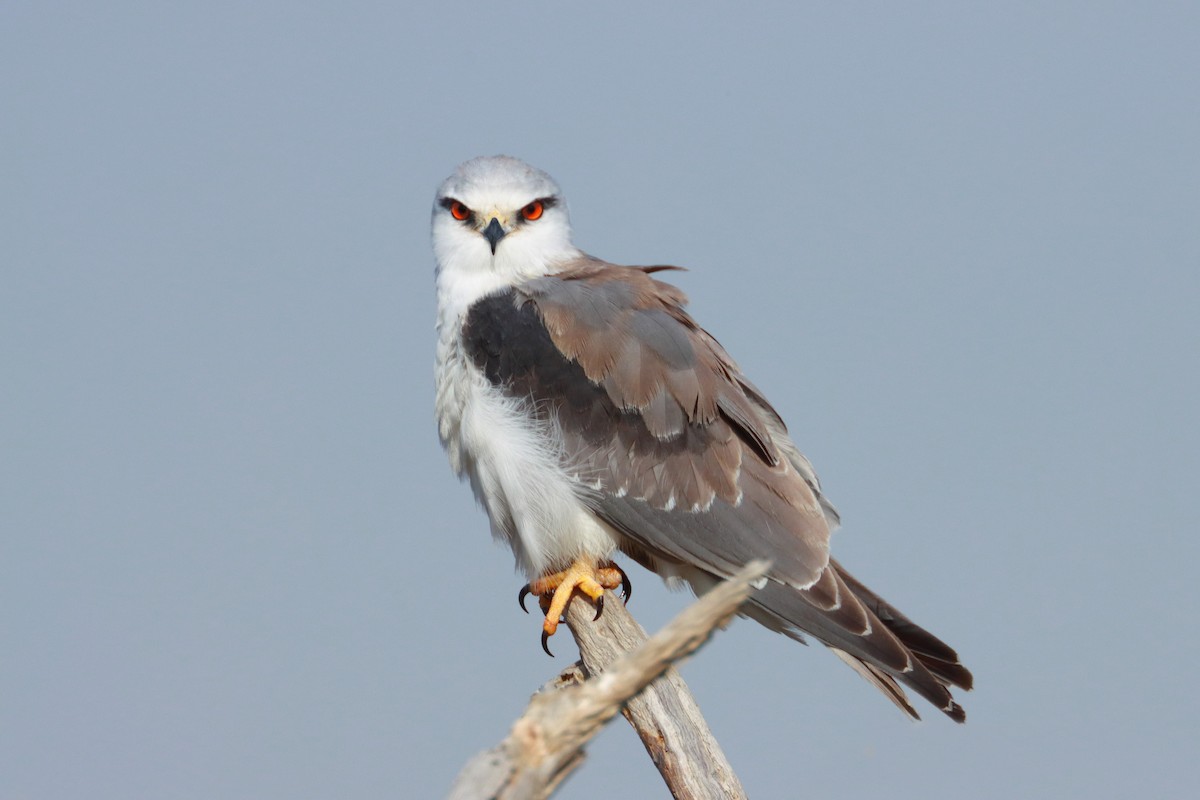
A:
<point x="654" y="419"/>
<point x="685" y="458"/>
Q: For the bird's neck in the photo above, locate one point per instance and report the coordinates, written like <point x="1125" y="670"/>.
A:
<point x="463" y="279"/>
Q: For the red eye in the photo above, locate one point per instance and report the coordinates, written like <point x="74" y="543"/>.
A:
<point x="459" y="211"/>
<point x="533" y="210"/>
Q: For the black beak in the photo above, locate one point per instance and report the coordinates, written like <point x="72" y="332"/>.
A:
<point x="493" y="233"/>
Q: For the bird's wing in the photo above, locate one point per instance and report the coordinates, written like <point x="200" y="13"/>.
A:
<point x="677" y="450"/>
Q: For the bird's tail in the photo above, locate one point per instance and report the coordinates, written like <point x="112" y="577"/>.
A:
<point x="880" y="643"/>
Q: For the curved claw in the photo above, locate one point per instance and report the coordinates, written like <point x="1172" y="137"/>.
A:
<point x="599" y="607"/>
<point x="626" y="586"/>
<point x="546" y="644"/>
<point x="521" y="597"/>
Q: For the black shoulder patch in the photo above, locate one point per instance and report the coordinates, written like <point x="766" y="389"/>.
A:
<point x="508" y="341"/>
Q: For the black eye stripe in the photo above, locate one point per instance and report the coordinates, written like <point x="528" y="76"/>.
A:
<point x="547" y="204"/>
<point x="449" y="203"/>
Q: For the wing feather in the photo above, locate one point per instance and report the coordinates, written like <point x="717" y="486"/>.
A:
<point x="678" y="452"/>
<point x="654" y="417"/>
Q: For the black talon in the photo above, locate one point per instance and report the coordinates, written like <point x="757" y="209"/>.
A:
<point x="626" y="584"/>
<point x="521" y="598"/>
<point x="546" y="644"/>
<point x="599" y="607"/>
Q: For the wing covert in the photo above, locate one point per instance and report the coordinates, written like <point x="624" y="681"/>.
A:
<point x="654" y="417"/>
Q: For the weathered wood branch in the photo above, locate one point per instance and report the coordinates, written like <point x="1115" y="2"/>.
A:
<point x="624" y="671"/>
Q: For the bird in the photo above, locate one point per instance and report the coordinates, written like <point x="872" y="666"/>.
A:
<point x="592" y="415"/>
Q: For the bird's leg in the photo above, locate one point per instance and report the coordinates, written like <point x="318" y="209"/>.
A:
<point x="554" y="591"/>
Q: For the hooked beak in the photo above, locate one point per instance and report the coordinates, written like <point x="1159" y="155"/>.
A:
<point x="493" y="233"/>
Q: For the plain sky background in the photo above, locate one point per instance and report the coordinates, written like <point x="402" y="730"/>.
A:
<point x="958" y="246"/>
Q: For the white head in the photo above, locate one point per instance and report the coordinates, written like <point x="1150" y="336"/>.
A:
<point x="496" y="221"/>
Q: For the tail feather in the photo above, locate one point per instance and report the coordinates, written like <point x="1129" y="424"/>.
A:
<point x="939" y="657"/>
<point x="880" y="680"/>
<point x="882" y="645"/>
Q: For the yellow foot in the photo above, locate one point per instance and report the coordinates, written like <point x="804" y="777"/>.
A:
<point x="555" y="590"/>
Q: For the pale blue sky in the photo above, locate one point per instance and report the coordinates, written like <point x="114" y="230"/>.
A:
<point x="958" y="247"/>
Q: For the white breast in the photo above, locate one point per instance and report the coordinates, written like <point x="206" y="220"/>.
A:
<point x="513" y="462"/>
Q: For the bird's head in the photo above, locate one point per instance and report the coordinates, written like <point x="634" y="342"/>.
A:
<point x="501" y="221"/>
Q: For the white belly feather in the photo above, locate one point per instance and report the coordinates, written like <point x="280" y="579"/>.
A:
<point x="515" y="468"/>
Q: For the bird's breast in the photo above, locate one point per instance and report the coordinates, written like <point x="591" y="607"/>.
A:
<point x="514" y="463"/>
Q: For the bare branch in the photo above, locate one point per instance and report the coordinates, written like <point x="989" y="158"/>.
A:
<point x="622" y="666"/>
